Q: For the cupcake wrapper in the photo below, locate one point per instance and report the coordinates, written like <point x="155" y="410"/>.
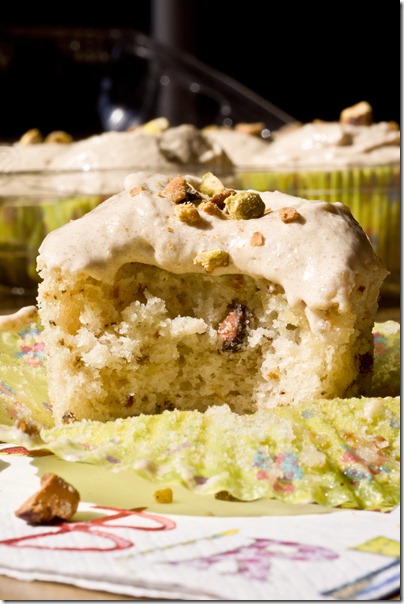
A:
<point x="339" y="453"/>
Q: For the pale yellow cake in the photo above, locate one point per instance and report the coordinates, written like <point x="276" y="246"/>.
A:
<point x="181" y="293"/>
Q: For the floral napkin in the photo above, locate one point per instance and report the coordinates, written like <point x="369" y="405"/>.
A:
<point x="122" y="541"/>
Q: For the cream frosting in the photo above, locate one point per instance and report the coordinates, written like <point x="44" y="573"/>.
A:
<point x="316" y="259"/>
<point x="321" y="145"/>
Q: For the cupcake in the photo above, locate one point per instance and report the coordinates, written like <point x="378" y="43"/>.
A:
<point x="354" y="160"/>
<point x="180" y="293"/>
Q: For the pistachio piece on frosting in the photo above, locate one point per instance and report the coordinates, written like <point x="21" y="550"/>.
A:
<point x="360" y="114"/>
<point x="187" y="212"/>
<point x="211" y="259"/>
<point x="178" y="190"/>
<point x="58" y="136"/>
<point x="210" y="184"/>
<point x="245" y="205"/>
<point x="31" y="137"/>
<point x="211" y="208"/>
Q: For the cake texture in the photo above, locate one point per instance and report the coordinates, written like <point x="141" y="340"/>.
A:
<point x="179" y="293"/>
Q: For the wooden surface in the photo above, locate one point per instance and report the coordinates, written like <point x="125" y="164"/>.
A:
<point x="11" y="589"/>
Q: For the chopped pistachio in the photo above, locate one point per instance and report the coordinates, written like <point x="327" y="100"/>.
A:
<point x="219" y="198"/>
<point x="211" y="259"/>
<point x="176" y="189"/>
<point x="252" y="128"/>
<point x="155" y="126"/>
<point x="244" y="205"/>
<point x="58" y="136"/>
<point x="187" y="212"/>
<point x="211" y="208"/>
<point x="360" y="114"/>
<point x="31" y="137"/>
<point x="210" y="184"/>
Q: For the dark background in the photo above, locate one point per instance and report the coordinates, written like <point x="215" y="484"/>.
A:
<point x="309" y="59"/>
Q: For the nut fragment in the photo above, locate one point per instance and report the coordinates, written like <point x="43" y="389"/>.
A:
<point x="164" y="496"/>
<point x="27" y="427"/>
<point x="210" y="184"/>
<point x="219" y="198"/>
<point x="232" y="330"/>
<point x="68" y="418"/>
<point x="211" y="259"/>
<point x="360" y="114"/>
<point x="57" y="499"/>
<point x="245" y="205"/>
<point x="58" y="136"/>
<point x="288" y="214"/>
<point x="253" y="128"/>
<point x="154" y="126"/>
<point x="31" y="137"/>
<point x="178" y="190"/>
<point x="211" y="208"/>
<point x="257" y="239"/>
<point x="226" y="496"/>
<point x="187" y="212"/>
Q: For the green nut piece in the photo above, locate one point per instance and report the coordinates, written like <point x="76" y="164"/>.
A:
<point x="245" y="205"/>
<point x="210" y="184"/>
<point x="211" y="259"/>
